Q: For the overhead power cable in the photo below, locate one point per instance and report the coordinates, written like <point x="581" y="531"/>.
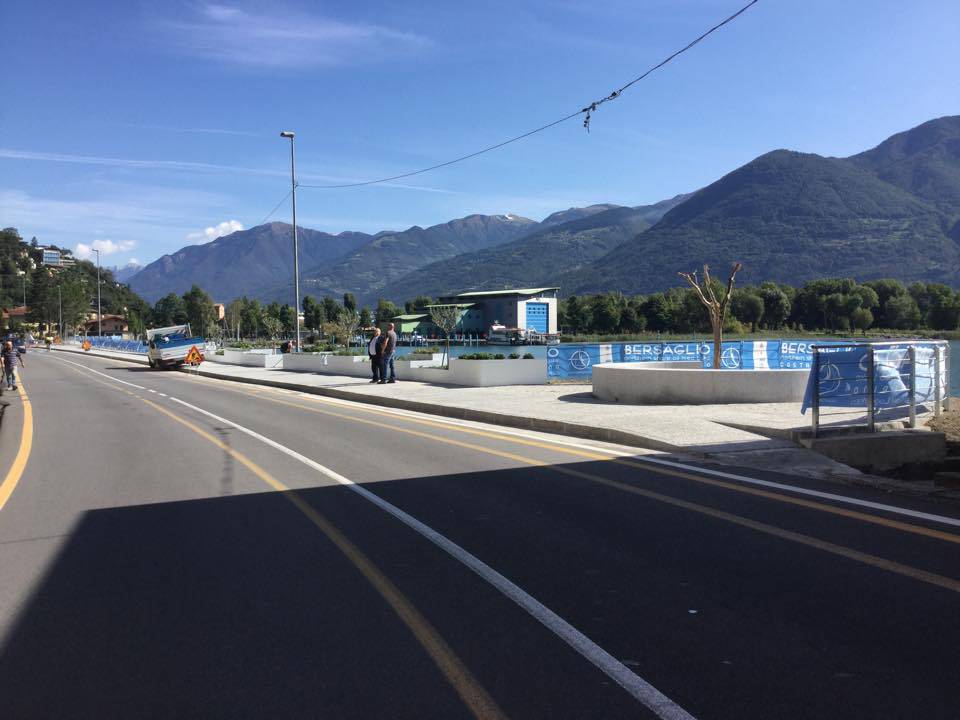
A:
<point x="587" y="112"/>
<point x="270" y="214"/>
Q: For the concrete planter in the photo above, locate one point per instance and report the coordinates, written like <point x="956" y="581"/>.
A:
<point x="352" y="365"/>
<point x="306" y="362"/>
<point x="419" y="356"/>
<point x="420" y="360"/>
<point x="488" y="373"/>
<point x="688" y="383"/>
<point x="250" y="358"/>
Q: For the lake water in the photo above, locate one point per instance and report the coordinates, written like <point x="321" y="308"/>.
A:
<point x="541" y="351"/>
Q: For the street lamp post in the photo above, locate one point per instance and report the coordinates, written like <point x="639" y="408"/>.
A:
<point x="99" y="318"/>
<point x="60" y="309"/>
<point x="296" y="254"/>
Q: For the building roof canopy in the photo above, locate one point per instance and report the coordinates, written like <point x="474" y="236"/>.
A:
<point x="516" y="291"/>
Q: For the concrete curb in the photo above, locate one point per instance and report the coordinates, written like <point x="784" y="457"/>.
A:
<point x="556" y="427"/>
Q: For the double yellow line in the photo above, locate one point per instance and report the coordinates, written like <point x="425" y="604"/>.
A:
<point x="15" y="472"/>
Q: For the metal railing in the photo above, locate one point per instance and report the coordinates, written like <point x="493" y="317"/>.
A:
<point x="890" y="380"/>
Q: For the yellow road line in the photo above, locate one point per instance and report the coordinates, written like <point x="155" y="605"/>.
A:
<point x="866" y="558"/>
<point x="823" y="545"/>
<point x="832" y="548"/>
<point x="767" y="494"/>
<point x="23" y="453"/>
<point x="474" y="696"/>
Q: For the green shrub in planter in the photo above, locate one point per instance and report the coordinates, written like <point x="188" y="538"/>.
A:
<point x="499" y="356"/>
<point x="528" y="356"/>
<point x="514" y="356"/>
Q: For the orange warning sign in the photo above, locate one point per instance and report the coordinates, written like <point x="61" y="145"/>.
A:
<point x="194" y="357"/>
<point x="86" y="345"/>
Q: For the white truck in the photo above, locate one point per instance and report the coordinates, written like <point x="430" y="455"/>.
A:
<point x="168" y="346"/>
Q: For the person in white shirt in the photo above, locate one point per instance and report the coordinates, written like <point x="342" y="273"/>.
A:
<point x="374" y="350"/>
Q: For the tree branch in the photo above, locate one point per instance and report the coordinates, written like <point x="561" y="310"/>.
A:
<point x="692" y="279"/>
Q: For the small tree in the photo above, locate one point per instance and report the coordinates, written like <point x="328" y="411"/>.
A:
<point x="346" y="326"/>
<point x="272" y="325"/>
<point x="716" y="307"/>
<point x="861" y="319"/>
<point x="366" y="318"/>
<point x="446" y="318"/>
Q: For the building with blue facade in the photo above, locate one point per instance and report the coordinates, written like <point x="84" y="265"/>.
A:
<point x="526" y="309"/>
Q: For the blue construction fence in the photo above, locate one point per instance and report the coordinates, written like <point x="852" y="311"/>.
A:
<point x="891" y="377"/>
<point x="576" y="360"/>
<point x="104" y="342"/>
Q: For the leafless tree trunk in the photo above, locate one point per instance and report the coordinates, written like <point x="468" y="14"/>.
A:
<point x="716" y="307"/>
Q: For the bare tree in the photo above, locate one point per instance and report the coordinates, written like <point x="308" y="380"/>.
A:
<point x="446" y="318"/>
<point x="716" y="307"/>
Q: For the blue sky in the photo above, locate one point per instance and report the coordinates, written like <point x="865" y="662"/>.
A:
<point x="143" y="127"/>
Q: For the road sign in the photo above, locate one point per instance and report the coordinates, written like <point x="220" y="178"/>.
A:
<point x="194" y="357"/>
<point x="86" y="345"/>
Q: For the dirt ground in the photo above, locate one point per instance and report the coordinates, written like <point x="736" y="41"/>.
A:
<point x="948" y="422"/>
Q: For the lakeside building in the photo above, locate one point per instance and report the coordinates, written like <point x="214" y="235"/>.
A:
<point x="111" y="324"/>
<point x="526" y="309"/>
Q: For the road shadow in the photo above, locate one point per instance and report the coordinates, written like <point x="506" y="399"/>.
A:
<point x="240" y="607"/>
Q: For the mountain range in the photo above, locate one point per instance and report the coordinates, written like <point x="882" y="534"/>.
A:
<point x="892" y="211"/>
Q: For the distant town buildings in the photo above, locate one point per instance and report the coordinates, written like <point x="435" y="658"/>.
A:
<point x="54" y="257"/>
<point x="110" y="324"/>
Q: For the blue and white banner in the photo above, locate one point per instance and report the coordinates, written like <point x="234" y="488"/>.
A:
<point x="576" y="360"/>
<point x="841" y="380"/>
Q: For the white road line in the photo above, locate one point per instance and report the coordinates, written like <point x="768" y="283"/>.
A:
<point x="662" y="706"/>
<point x="639" y="688"/>
<point x="834" y="497"/>
<point x="111" y="377"/>
<point x="946" y="520"/>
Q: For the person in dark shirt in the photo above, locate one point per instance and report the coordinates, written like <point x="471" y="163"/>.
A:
<point x="10" y="358"/>
<point x="386" y="359"/>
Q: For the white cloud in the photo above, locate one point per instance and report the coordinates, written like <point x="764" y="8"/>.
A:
<point x="213" y="232"/>
<point x="174" y="165"/>
<point x="106" y="247"/>
<point x="284" y="38"/>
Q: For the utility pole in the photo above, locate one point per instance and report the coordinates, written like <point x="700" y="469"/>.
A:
<point x="99" y="319"/>
<point x="60" y="308"/>
<point x="296" y="254"/>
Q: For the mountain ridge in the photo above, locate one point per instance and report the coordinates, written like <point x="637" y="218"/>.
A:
<point x="792" y="217"/>
<point x="892" y="210"/>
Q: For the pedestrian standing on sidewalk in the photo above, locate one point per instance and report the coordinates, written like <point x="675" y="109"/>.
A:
<point x="375" y="351"/>
<point x="10" y="357"/>
<point x="389" y="348"/>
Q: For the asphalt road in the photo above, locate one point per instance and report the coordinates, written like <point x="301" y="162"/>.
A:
<point x="261" y="553"/>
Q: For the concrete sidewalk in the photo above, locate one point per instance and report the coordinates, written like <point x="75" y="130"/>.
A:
<point x="751" y="434"/>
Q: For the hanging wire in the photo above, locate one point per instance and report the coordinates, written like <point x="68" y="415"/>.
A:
<point x="270" y="214"/>
<point x="587" y="112"/>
